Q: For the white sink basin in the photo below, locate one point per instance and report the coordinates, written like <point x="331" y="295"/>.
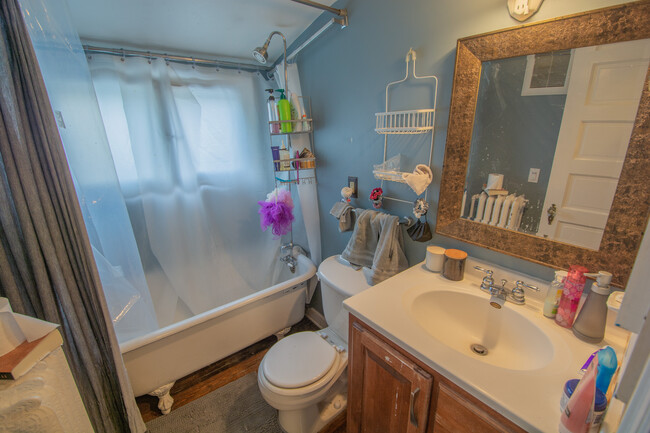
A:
<point x="463" y="321"/>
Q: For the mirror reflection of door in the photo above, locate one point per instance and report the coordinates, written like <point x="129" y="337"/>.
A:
<point x="601" y="105"/>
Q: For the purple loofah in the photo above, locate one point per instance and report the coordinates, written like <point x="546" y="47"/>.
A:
<point x="279" y="215"/>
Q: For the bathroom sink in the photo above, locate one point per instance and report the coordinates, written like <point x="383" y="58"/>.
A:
<point x="468" y="324"/>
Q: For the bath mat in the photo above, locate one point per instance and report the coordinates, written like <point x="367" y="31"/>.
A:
<point x="233" y="408"/>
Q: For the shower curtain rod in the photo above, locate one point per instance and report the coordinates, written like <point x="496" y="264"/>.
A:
<point x="316" y="34"/>
<point x="119" y="52"/>
<point x="343" y="13"/>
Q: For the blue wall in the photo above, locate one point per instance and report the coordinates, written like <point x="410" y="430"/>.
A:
<point x="345" y="72"/>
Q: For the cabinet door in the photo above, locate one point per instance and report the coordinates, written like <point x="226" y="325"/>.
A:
<point x="387" y="392"/>
<point x="455" y="413"/>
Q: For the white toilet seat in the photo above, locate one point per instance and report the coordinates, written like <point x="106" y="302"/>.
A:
<point x="298" y="361"/>
<point x="319" y="385"/>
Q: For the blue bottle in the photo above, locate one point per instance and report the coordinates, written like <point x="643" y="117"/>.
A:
<point x="607" y="364"/>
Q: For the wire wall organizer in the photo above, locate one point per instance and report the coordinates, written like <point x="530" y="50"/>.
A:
<point x="405" y="122"/>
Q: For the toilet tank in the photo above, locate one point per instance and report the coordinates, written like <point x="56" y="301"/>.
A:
<point x="339" y="281"/>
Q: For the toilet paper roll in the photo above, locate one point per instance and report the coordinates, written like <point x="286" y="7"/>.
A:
<point x="495" y="181"/>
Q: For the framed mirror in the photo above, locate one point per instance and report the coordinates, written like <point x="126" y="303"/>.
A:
<point x="507" y="143"/>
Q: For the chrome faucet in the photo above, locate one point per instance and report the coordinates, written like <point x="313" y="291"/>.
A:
<point x="502" y="294"/>
<point x="289" y="259"/>
<point x="499" y="295"/>
<point x="291" y="262"/>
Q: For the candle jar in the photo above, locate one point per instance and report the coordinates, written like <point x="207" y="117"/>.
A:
<point x="573" y="287"/>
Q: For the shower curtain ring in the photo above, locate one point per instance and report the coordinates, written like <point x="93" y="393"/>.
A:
<point x="123" y="58"/>
<point x="193" y="63"/>
<point x="149" y="57"/>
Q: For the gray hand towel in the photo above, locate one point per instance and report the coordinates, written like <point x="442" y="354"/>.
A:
<point x="343" y="212"/>
<point x="377" y="243"/>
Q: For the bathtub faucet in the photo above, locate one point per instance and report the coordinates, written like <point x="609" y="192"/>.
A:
<point x="291" y="262"/>
<point x="289" y="259"/>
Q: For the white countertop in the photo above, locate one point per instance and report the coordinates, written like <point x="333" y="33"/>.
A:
<point x="530" y="398"/>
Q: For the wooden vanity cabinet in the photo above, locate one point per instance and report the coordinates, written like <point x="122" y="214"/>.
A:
<point x="390" y="391"/>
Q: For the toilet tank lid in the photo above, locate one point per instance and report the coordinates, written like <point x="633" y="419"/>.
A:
<point x="338" y="273"/>
<point x="298" y="360"/>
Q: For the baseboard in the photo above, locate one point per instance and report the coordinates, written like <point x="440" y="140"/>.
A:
<point x="316" y="317"/>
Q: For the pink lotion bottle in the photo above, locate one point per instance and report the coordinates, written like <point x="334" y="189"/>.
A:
<point x="579" y="411"/>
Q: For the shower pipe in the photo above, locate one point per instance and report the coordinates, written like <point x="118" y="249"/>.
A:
<point x="151" y="55"/>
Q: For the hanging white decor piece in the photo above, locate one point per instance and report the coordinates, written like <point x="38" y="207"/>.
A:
<point x="521" y="10"/>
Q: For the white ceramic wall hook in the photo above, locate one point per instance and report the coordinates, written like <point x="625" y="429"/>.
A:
<point x="521" y="7"/>
<point x="411" y="55"/>
<point x="521" y="10"/>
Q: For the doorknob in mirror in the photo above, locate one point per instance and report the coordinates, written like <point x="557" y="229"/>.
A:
<point x="552" y="211"/>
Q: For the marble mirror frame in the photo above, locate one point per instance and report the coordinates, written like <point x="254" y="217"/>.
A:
<point x="631" y="206"/>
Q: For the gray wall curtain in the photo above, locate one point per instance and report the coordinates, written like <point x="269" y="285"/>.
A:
<point x="46" y="264"/>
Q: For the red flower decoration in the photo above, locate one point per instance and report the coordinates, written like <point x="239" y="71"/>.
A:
<point x="376" y="194"/>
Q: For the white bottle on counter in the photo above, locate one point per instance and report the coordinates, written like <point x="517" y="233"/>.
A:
<point x="554" y="293"/>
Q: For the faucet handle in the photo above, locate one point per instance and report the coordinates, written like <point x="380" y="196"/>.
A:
<point x="520" y="285"/>
<point x="489" y="272"/>
<point x="488" y="280"/>
<point x="518" y="296"/>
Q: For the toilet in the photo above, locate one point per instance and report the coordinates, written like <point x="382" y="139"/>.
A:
<point x="304" y="375"/>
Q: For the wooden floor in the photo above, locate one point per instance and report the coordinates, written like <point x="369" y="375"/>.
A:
<point x="221" y="373"/>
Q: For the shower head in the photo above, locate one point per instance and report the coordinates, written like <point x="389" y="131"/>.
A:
<point x="260" y="53"/>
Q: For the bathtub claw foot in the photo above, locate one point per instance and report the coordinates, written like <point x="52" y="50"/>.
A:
<point x="282" y="333"/>
<point x="165" y="401"/>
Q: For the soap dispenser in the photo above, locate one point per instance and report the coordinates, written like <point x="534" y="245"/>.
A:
<point x="591" y="321"/>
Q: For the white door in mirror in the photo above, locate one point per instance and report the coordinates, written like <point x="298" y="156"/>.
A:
<point x="602" y="100"/>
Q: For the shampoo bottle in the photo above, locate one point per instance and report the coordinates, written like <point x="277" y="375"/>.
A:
<point x="272" y="108"/>
<point x="284" y="109"/>
<point x="590" y="323"/>
<point x="297" y="112"/>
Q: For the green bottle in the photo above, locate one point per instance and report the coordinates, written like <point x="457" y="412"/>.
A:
<point x="284" y="109"/>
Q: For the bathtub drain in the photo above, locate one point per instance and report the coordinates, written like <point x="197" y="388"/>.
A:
<point x="478" y="349"/>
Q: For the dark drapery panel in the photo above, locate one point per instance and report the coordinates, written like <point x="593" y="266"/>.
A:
<point x="46" y="264"/>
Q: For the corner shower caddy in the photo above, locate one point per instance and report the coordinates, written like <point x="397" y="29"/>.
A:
<point x="297" y="166"/>
<point x="405" y="122"/>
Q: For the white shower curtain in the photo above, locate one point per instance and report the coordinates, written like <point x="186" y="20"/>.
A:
<point x="307" y="193"/>
<point x="192" y="158"/>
